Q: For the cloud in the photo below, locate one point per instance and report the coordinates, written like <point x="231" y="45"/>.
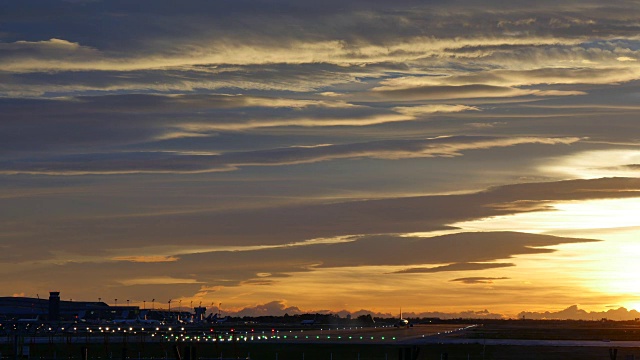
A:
<point x="273" y="308"/>
<point x="516" y="78"/>
<point x="433" y="109"/>
<point x="596" y="163"/>
<point x="245" y="268"/>
<point x="215" y="52"/>
<point x="145" y="259"/>
<point x="343" y="120"/>
<point x="280" y="308"/>
<point x="247" y="128"/>
<point x="575" y="313"/>
<point x="171" y="162"/>
<point x="449" y="92"/>
<point x="159" y="280"/>
<point x="280" y="225"/>
<point x="98" y="237"/>
<point x="479" y="280"/>
<point x="454" y="267"/>
<point x="262" y="282"/>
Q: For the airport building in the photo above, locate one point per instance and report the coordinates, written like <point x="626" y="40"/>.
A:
<point x="55" y="309"/>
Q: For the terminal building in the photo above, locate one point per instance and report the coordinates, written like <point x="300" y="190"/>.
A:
<point x="55" y="309"/>
<point x="25" y="309"/>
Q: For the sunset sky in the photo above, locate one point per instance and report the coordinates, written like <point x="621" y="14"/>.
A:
<point x="300" y="156"/>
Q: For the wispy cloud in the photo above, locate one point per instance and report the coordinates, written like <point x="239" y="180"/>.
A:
<point x="454" y="267"/>
<point x="479" y="280"/>
<point x="146" y="259"/>
<point x="160" y="280"/>
<point x="167" y="162"/>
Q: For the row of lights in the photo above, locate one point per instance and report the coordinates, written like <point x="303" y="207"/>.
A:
<point x="275" y="335"/>
<point x="182" y="337"/>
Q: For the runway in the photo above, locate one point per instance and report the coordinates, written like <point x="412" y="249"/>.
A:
<point x="377" y="335"/>
<point x="429" y="335"/>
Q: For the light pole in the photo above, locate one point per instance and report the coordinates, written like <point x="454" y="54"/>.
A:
<point x="100" y="313"/>
<point x="144" y="304"/>
<point x="169" y="306"/>
<point x="116" y="302"/>
<point x="127" y="302"/>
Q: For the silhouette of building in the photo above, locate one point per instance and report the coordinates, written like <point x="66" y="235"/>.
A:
<point x="54" y="306"/>
<point x="55" y="309"/>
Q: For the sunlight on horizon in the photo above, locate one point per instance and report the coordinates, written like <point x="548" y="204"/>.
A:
<point x="610" y="266"/>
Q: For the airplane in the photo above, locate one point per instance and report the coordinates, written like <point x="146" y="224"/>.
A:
<point x="401" y="322"/>
<point x="213" y="318"/>
<point x="137" y="321"/>
<point x="30" y="320"/>
<point x="148" y="321"/>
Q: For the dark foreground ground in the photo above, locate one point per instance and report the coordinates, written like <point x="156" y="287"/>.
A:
<point x="488" y="340"/>
<point x="323" y="351"/>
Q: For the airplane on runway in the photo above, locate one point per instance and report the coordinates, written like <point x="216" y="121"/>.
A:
<point x="402" y="322"/>
<point x="213" y="318"/>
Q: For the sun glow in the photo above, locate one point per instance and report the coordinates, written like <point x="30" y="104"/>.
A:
<point x="610" y="266"/>
<point x="596" y="164"/>
<point x="565" y="218"/>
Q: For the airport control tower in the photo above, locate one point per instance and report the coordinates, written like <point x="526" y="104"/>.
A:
<point x="54" y="305"/>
